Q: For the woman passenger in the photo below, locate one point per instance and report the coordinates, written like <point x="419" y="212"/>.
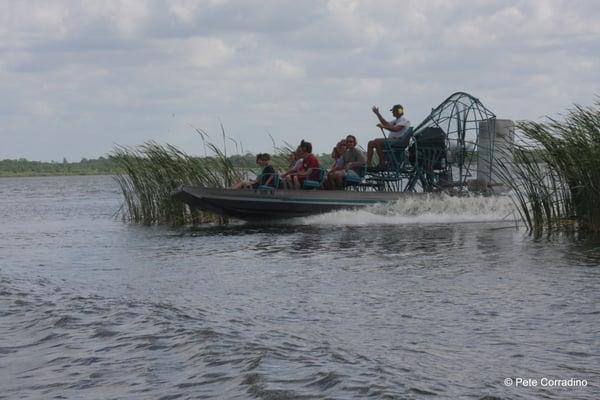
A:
<point x="338" y="162"/>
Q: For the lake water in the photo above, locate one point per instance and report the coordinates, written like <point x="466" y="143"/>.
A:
<point x="382" y="304"/>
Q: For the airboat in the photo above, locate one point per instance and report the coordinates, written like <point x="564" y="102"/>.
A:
<point x="451" y="152"/>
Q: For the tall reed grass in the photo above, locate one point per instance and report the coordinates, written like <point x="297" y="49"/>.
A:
<point x="151" y="172"/>
<point x="555" y="172"/>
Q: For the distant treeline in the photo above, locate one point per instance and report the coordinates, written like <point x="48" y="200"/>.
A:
<point x="99" y="166"/>
<point x="24" y="167"/>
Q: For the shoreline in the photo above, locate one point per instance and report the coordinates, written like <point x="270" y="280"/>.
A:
<point x="42" y="175"/>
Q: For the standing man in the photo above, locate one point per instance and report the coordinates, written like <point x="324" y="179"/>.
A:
<point x="396" y="128"/>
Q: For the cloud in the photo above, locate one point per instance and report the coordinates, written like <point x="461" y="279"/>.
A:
<point x="128" y="16"/>
<point x="199" y="52"/>
<point x="89" y="74"/>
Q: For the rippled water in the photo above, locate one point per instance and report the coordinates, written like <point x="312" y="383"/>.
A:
<point x="379" y="303"/>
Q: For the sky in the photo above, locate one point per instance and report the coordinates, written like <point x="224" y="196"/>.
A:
<point x="79" y="77"/>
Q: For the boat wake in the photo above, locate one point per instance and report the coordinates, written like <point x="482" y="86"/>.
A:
<point x="423" y="210"/>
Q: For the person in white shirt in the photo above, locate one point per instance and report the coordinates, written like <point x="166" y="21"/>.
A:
<point x="397" y="129"/>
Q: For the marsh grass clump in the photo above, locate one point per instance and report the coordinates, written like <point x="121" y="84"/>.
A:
<point x="150" y="173"/>
<point x="555" y="172"/>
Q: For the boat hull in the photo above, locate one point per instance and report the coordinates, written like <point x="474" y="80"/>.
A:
<point x="249" y="204"/>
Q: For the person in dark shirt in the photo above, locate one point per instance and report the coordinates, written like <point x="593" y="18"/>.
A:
<point x="267" y="174"/>
<point x="264" y="177"/>
<point x="310" y="166"/>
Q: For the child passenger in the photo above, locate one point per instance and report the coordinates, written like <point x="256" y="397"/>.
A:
<point x="264" y="177"/>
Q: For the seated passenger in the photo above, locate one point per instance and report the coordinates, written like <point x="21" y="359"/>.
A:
<point x="397" y="129"/>
<point x="264" y="177"/>
<point x="294" y="168"/>
<point x="310" y="166"/>
<point x="353" y="160"/>
<point x="338" y="162"/>
<point x="267" y="175"/>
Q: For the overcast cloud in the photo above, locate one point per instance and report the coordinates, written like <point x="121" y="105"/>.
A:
<point x="77" y="77"/>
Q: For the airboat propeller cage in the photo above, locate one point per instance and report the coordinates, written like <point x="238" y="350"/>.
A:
<point x="472" y="136"/>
